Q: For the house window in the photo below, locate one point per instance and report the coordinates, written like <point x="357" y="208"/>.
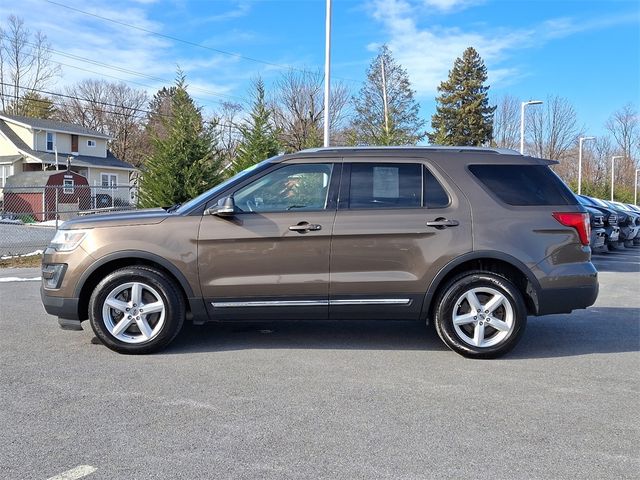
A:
<point x="91" y="143"/>
<point x="67" y="185"/>
<point x="51" y="141"/>
<point x="108" y="180"/>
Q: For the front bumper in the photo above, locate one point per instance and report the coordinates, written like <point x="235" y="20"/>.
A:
<point x="60" y="306"/>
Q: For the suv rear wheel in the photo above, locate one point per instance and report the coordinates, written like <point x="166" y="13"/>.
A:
<point x="480" y="315"/>
<point x="136" y="310"/>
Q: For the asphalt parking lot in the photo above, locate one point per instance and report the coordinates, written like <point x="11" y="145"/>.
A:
<point x="325" y="400"/>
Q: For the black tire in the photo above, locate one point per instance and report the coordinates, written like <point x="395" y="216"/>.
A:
<point x="510" y="315"/>
<point x="154" y="287"/>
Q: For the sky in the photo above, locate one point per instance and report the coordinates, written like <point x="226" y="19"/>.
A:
<point x="586" y="51"/>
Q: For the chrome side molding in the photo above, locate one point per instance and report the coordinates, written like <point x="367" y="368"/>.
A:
<point x="314" y="303"/>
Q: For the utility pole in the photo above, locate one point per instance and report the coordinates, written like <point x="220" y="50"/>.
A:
<point x="327" y="72"/>
<point x="384" y="97"/>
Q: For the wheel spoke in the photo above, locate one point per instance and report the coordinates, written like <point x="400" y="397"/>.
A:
<point x="136" y="293"/>
<point x="478" y="334"/>
<point x="144" y="327"/>
<point x="153" y="307"/>
<point x="464" y="318"/>
<point x="494" y="303"/>
<point x="122" y="325"/>
<point x="117" y="304"/>
<point x="473" y="301"/>
<point x="499" y="324"/>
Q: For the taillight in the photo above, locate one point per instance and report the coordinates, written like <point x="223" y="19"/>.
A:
<point x="579" y="221"/>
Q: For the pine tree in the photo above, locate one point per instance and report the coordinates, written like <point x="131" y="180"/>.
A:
<point x="259" y="140"/>
<point x="32" y="104"/>
<point x="402" y="124"/>
<point x="463" y="114"/>
<point x="183" y="162"/>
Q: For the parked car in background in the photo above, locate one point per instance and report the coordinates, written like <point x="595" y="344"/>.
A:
<point x="612" y="230"/>
<point x="598" y="232"/>
<point x="635" y="215"/>
<point x="627" y="219"/>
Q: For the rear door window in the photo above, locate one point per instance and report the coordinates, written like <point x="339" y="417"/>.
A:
<point x="394" y="185"/>
<point x="524" y="185"/>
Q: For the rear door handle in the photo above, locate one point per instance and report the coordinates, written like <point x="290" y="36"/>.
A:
<point x="304" y="227"/>
<point x="442" y="222"/>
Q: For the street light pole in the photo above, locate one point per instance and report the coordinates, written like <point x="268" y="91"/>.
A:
<point x="327" y="72"/>
<point x="635" y="189"/>
<point x="522" y="105"/>
<point x="582" y="139"/>
<point x="613" y="162"/>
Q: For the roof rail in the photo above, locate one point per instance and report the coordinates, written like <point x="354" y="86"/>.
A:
<point x="430" y="148"/>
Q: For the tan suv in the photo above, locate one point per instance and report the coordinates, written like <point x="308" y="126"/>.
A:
<point x="473" y="240"/>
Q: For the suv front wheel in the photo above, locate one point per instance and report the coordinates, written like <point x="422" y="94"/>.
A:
<point x="480" y="315"/>
<point x="136" y="310"/>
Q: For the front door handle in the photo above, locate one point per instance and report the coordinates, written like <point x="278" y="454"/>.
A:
<point x="304" y="227"/>
<point x="441" y="223"/>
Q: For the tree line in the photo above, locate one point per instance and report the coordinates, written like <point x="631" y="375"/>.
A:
<point x="182" y="151"/>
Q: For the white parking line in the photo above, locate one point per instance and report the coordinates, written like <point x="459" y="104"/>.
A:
<point x="19" y="279"/>
<point x="75" y="473"/>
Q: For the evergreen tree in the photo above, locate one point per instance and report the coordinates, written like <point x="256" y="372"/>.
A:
<point x="259" y="140"/>
<point x="402" y="125"/>
<point x="463" y="114"/>
<point x="183" y="162"/>
<point x="32" y="104"/>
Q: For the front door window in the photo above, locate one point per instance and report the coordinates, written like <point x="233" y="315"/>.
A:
<point x="292" y="187"/>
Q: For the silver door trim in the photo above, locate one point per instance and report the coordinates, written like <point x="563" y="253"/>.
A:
<point x="372" y="301"/>
<point x="274" y="303"/>
<point x="314" y="303"/>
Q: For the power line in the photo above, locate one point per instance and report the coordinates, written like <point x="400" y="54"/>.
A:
<point x="124" y="70"/>
<point x="194" y="44"/>
<point x="107" y="104"/>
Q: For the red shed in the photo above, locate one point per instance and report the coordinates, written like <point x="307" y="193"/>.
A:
<point x="45" y="194"/>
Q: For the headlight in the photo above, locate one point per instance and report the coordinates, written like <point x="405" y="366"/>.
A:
<point x="67" y="240"/>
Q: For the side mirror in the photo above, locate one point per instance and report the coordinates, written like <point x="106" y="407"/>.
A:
<point x="225" y="208"/>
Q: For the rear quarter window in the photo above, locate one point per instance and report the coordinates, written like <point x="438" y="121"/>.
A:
<point x="524" y="185"/>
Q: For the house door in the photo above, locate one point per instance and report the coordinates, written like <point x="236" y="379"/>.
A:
<point x="74" y="144"/>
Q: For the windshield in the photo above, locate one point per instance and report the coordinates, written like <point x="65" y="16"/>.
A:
<point x="584" y="201"/>
<point x="185" y="207"/>
<point x="599" y="202"/>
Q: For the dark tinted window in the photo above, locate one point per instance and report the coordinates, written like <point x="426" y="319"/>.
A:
<point x="524" y="184"/>
<point x="383" y="185"/>
<point x="435" y="195"/>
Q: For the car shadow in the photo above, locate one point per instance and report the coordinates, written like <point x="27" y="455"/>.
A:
<point x="595" y="330"/>
<point x="306" y="334"/>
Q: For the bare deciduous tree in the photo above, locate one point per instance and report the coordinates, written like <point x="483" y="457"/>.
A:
<point x="624" y="126"/>
<point x="506" y="123"/>
<point x="298" y="109"/>
<point x="553" y="128"/>
<point x="228" y="132"/>
<point x="111" y="108"/>
<point x="25" y="64"/>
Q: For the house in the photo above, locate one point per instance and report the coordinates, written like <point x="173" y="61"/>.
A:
<point x="47" y="195"/>
<point x="33" y="144"/>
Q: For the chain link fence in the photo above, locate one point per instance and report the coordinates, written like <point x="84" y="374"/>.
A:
<point x="31" y="214"/>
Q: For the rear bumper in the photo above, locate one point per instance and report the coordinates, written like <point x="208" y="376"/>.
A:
<point x="564" y="300"/>
<point x="568" y="287"/>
